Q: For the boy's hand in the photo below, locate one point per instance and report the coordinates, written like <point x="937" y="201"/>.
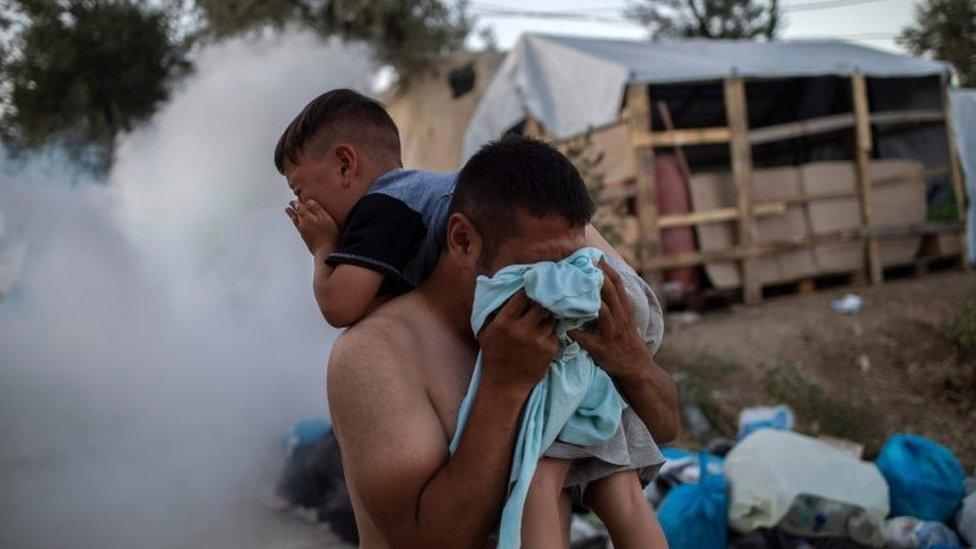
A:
<point x="317" y="228"/>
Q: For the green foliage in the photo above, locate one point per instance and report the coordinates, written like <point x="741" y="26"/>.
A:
<point x="945" y="29"/>
<point x="823" y="413"/>
<point x="403" y="33"/>
<point x="77" y="72"/>
<point x="750" y="19"/>
<point x="698" y="380"/>
<point x="962" y="328"/>
<point x="944" y="210"/>
<point x="609" y="213"/>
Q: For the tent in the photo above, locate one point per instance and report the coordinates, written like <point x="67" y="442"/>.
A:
<point x="789" y="160"/>
<point x="433" y="107"/>
<point x="964" y="120"/>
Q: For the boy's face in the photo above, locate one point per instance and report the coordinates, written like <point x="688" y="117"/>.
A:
<point x="320" y="178"/>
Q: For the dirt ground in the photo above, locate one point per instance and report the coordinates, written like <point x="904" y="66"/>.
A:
<point x="891" y="368"/>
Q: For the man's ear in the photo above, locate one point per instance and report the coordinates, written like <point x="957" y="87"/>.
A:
<point x="463" y="243"/>
<point x="348" y="161"/>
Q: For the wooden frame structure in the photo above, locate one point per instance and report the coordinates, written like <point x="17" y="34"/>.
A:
<point x="740" y="139"/>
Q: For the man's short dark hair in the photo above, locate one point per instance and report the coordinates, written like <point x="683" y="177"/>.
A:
<point x="518" y="173"/>
<point x="340" y="114"/>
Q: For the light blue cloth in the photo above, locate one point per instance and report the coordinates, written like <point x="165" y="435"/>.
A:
<point x="576" y="401"/>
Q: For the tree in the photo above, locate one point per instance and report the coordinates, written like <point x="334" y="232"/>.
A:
<point x="78" y="72"/>
<point x="709" y="18"/>
<point x="403" y="33"/>
<point x="945" y="29"/>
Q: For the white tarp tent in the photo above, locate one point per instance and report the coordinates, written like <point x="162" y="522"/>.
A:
<point x="963" y="104"/>
<point x="570" y="83"/>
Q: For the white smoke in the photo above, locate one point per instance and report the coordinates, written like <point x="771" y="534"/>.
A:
<point x="162" y="333"/>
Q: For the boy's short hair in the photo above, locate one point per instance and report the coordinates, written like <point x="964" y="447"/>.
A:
<point x="340" y="114"/>
<point x="518" y="173"/>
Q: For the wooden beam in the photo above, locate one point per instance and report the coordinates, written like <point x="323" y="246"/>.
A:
<point x="649" y="236"/>
<point x="802" y="128"/>
<point x="764" y="209"/>
<point x="737" y="118"/>
<point x="912" y="116"/>
<point x="683" y="137"/>
<point x="955" y="173"/>
<point x="739" y="253"/>
<point x="862" y="165"/>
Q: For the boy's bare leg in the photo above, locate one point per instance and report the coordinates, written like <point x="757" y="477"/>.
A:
<point x="542" y="517"/>
<point x="620" y="503"/>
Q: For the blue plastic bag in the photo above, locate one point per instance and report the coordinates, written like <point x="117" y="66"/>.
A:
<point x="925" y="480"/>
<point x="695" y="516"/>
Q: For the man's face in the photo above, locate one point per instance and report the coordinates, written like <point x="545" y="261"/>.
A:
<point x="549" y="238"/>
<point x="319" y="178"/>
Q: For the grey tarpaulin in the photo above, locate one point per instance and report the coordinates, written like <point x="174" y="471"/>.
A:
<point x="963" y="104"/>
<point x="572" y="83"/>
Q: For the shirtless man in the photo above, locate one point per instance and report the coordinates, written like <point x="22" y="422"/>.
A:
<point x="396" y="379"/>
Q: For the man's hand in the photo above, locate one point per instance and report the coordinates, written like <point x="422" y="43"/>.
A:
<point x="616" y="345"/>
<point x="519" y="343"/>
<point x="317" y="228"/>
<point x="618" y="348"/>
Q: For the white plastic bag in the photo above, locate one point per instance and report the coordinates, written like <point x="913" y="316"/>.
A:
<point x="821" y="490"/>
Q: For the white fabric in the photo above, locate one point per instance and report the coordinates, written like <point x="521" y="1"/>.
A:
<point x="572" y="83"/>
<point x="963" y="103"/>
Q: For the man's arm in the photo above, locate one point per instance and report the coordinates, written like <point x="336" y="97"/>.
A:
<point x="393" y="445"/>
<point x="618" y="348"/>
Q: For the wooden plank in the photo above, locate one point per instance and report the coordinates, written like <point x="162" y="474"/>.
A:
<point x="764" y="209"/>
<point x="911" y="116"/>
<point x="738" y="253"/>
<point x="792" y="130"/>
<point x="862" y="165"/>
<point x="737" y="118"/>
<point x="955" y="173"/>
<point x="683" y="137"/>
<point x="649" y="235"/>
<point x="690" y="259"/>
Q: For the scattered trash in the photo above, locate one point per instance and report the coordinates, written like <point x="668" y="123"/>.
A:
<point x="850" y="304"/>
<point x="681" y="467"/>
<point x="775" y="475"/>
<point x="847" y="446"/>
<point x="764" y="417"/>
<point x="584" y="534"/>
<point x="672" y="290"/>
<point x="864" y="362"/>
<point x="312" y="479"/>
<point x="683" y="318"/>
<point x="720" y="446"/>
<point x="899" y="533"/>
<point x="693" y="515"/>
<point x="305" y="433"/>
<point x="694" y="419"/>
<point x="925" y="479"/>
<point x="966" y="519"/>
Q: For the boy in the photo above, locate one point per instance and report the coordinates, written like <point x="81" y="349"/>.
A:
<point x="341" y="158"/>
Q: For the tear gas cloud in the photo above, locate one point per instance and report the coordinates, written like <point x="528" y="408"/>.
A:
<point x="161" y="334"/>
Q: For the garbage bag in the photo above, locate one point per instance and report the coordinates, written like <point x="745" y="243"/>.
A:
<point x="806" y="487"/>
<point x="693" y="516"/>
<point x="925" y="479"/>
<point x="935" y="535"/>
<point x="966" y="519"/>
<point x="681" y="467"/>
<point x="764" y="417"/>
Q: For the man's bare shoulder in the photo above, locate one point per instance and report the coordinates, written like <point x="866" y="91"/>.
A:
<point x="383" y="341"/>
